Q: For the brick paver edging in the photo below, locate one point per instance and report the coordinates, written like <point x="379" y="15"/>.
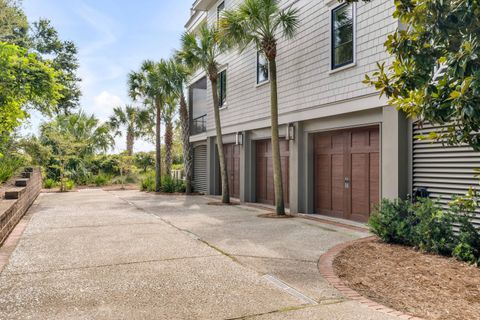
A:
<point x="9" y="245"/>
<point x="325" y="266"/>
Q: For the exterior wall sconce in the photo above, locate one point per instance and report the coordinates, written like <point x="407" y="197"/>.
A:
<point x="290" y="132"/>
<point x="239" y="139"/>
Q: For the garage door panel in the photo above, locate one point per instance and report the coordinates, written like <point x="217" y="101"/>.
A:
<point x="323" y="182"/>
<point x="338" y="183"/>
<point x="360" y="184"/>
<point x="374" y="180"/>
<point x="232" y="160"/>
<point x="265" y="189"/>
<point x="354" y="155"/>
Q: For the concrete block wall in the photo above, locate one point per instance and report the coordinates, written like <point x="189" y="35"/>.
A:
<point x="12" y="210"/>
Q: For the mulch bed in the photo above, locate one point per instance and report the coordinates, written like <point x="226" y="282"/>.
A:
<point x="428" y="286"/>
<point x="275" y="216"/>
<point x="221" y="204"/>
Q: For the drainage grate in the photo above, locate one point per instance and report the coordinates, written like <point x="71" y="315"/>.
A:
<point x="292" y="291"/>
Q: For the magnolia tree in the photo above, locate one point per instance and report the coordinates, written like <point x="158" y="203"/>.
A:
<point x="435" y="72"/>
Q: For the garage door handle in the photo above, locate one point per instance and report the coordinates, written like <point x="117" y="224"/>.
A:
<point x="347" y="183"/>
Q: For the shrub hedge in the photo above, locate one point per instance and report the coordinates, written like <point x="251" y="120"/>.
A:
<point x="426" y="225"/>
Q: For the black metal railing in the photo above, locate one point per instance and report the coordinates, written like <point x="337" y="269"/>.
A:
<point x="199" y="125"/>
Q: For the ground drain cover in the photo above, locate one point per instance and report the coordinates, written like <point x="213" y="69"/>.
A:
<point x="292" y="291"/>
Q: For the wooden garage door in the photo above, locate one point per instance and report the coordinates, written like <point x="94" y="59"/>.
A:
<point x="232" y="159"/>
<point x="347" y="170"/>
<point x="265" y="191"/>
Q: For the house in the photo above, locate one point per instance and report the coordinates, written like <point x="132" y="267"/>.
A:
<point x="342" y="147"/>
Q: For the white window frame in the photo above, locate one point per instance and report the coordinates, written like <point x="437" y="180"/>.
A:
<point x="258" y="52"/>
<point x="225" y="104"/>
<point x="330" y="55"/>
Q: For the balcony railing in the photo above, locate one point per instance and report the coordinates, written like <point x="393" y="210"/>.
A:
<point x="199" y="125"/>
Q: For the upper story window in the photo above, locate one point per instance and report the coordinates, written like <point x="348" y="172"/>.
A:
<point x="262" y="67"/>
<point x="220" y="9"/>
<point x="343" y="36"/>
<point x="222" y="88"/>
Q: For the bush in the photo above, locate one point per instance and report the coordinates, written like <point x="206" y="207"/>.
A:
<point x="9" y="166"/>
<point x="147" y="182"/>
<point x="49" y="183"/>
<point x="101" y="180"/>
<point x="432" y="228"/>
<point x="69" y="185"/>
<point x="393" y="221"/>
<point x="170" y="185"/>
<point x="429" y="227"/>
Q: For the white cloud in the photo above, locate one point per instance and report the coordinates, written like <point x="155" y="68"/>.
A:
<point x="103" y="26"/>
<point x="103" y="104"/>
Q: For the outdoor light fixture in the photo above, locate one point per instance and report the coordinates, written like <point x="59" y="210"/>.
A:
<point x="290" y="132"/>
<point x="239" y="139"/>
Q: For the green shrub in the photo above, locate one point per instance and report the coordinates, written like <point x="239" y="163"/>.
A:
<point x="429" y="227"/>
<point x="101" y="179"/>
<point x="49" y="183"/>
<point x="147" y="182"/>
<point x="432" y="228"/>
<point x="170" y="185"/>
<point x="393" y="221"/>
<point x="69" y="185"/>
<point x="9" y="166"/>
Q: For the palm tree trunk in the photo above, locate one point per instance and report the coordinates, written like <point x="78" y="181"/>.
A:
<point x="221" y="154"/>
<point x="168" y="146"/>
<point x="130" y="140"/>
<point x="277" y="165"/>
<point x="158" y="148"/>
<point x="187" y="147"/>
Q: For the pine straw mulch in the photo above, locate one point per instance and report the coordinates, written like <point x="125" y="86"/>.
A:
<point x="428" y="286"/>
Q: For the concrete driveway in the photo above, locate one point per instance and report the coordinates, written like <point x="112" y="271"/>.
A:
<point x="131" y="255"/>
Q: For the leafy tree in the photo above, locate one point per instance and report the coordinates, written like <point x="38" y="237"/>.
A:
<point x="144" y="160"/>
<point x="168" y="115"/>
<point x="261" y="22"/>
<point x="14" y="25"/>
<point x="151" y="86"/>
<point x="93" y="137"/>
<point x="435" y="72"/>
<point x="25" y="81"/>
<point x="74" y="140"/>
<point x="201" y="51"/>
<point x="63" y="55"/>
<point x="135" y="120"/>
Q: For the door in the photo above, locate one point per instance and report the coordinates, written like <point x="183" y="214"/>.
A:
<point x="232" y="159"/>
<point x="347" y="173"/>
<point x="265" y="191"/>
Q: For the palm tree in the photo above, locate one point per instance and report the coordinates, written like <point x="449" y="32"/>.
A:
<point x="151" y="85"/>
<point x="135" y="120"/>
<point x="178" y="73"/>
<point x="168" y="114"/>
<point x="261" y="22"/>
<point x="200" y="51"/>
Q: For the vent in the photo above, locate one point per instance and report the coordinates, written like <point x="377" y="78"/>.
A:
<point x="444" y="170"/>
<point x="200" y="169"/>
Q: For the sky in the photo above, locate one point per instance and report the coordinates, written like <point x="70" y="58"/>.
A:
<point x="113" y="38"/>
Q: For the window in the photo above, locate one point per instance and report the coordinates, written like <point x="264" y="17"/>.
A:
<point x="342" y="36"/>
<point x="222" y="88"/>
<point x="262" y="68"/>
<point x="220" y="8"/>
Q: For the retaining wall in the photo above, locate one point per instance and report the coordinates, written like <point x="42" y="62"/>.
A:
<point x="18" y="199"/>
